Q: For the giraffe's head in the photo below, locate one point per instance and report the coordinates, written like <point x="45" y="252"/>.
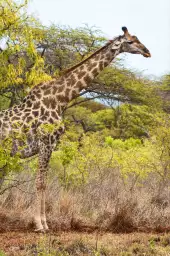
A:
<point x="132" y="44"/>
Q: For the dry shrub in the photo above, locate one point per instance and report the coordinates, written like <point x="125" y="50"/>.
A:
<point x="123" y="218"/>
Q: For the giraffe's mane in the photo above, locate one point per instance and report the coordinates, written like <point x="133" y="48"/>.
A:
<point x="80" y="63"/>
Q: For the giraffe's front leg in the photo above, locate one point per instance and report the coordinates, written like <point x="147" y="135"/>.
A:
<point x="40" y="216"/>
<point x="43" y="213"/>
<point x="37" y="214"/>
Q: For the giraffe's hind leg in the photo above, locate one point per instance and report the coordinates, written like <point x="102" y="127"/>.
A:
<point x="37" y="215"/>
<point x="43" y="214"/>
<point x="40" y="215"/>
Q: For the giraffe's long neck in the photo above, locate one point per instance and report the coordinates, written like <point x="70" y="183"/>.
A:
<point x="83" y="74"/>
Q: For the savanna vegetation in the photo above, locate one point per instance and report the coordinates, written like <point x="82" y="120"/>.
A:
<point x="111" y="170"/>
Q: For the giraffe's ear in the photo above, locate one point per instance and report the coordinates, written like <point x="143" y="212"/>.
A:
<point x="126" y="32"/>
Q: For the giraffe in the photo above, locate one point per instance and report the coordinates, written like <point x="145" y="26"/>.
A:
<point x="44" y="105"/>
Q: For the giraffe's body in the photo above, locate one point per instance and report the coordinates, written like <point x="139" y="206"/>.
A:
<point x="44" y="105"/>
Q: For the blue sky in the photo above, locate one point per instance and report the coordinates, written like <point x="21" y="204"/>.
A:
<point x="149" y="20"/>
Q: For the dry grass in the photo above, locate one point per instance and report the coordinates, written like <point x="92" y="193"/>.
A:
<point x="109" y="205"/>
<point x="83" y="244"/>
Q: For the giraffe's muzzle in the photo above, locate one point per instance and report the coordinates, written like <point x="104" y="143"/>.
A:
<point x="147" y="55"/>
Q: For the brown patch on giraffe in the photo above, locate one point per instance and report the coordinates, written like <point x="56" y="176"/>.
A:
<point x="51" y="120"/>
<point x="101" y="65"/>
<point x="53" y="102"/>
<point x="62" y="98"/>
<point x="105" y="63"/>
<point x="54" y="114"/>
<point x="87" y="79"/>
<point x="71" y="80"/>
<point x="79" y="85"/>
<point x="95" y="71"/>
<point x="52" y="82"/>
<point x="66" y="75"/>
<point x="16" y="110"/>
<point x="32" y="97"/>
<point x="47" y="92"/>
<point x="44" y="87"/>
<point x="29" y="118"/>
<point x="46" y="102"/>
<point x="52" y="139"/>
<point x="26" y="114"/>
<point x="59" y="109"/>
<point x="46" y="113"/>
<point x="81" y="67"/>
<point x="75" y="71"/>
<point x="92" y="65"/>
<point x="28" y="103"/>
<point x="81" y="74"/>
<point x="10" y="113"/>
<point x="61" y="80"/>
<point x="44" y="117"/>
<point x="15" y="118"/>
<point x="97" y="58"/>
<point x="5" y="125"/>
<point x="61" y="88"/>
<point x="35" y="113"/>
<point x="37" y="94"/>
<point x="28" y="97"/>
<point x="42" y="111"/>
<point x="24" y="128"/>
<point x="55" y="89"/>
<point x="36" y="105"/>
<point x="74" y="94"/>
<point x="27" y="110"/>
<point x="23" y="106"/>
<point x="40" y="84"/>
<point x="5" y="118"/>
<point x="67" y="92"/>
<point x="107" y="56"/>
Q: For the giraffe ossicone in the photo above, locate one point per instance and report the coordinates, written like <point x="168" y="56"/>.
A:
<point x="44" y="105"/>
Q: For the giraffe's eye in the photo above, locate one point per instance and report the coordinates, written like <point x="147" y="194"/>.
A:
<point x="130" y="42"/>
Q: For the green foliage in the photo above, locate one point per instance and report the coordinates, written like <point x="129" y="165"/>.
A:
<point x="9" y="164"/>
<point x="133" y="121"/>
<point x="166" y="82"/>
<point x="99" y="154"/>
<point x="21" y="64"/>
<point x="124" y="121"/>
<point x="117" y="144"/>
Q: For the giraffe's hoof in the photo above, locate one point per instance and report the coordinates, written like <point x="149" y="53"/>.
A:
<point x="40" y="230"/>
